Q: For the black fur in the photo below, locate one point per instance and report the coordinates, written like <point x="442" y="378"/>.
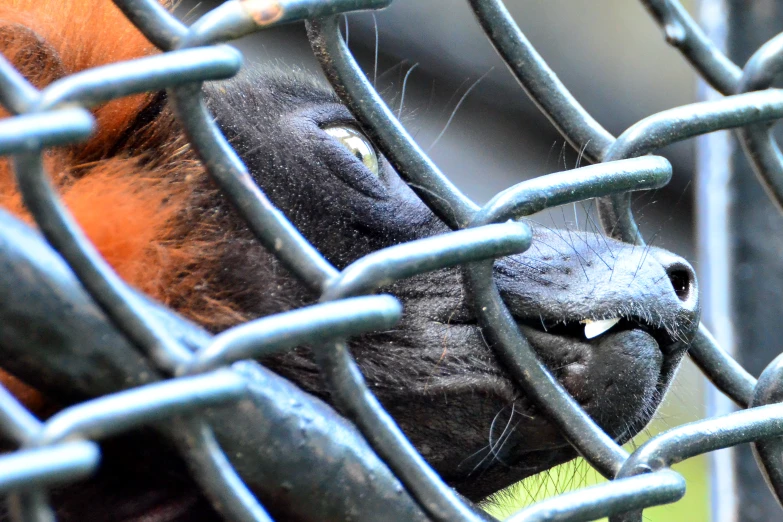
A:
<point x="434" y="372"/>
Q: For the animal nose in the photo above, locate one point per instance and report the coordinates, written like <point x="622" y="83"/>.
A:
<point x="681" y="276"/>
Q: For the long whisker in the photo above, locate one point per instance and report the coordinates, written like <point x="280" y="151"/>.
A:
<point x="644" y="257"/>
<point x="427" y="109"/>
<point x="456" y="108"/>
<point x="391" y="69"/>
<point x="595" y="228"/>
<point x="493" y="447"/>
<point x="405" y="86"/>
<point x="581" y="154"/>
<point x="588" y="245"/>
<point x="496" y="451"/>
<point x="375" y="67"/>
<point x="483" y="448"/>
<point x="488" y="446"/>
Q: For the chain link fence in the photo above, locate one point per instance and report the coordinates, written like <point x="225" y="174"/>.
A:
<point x="193" y="371"/>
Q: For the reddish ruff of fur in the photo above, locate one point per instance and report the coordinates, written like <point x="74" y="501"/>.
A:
<point x="131" y="202"/>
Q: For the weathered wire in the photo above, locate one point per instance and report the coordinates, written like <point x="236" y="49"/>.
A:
<point x="511" y="346"/>
<point x="724" y="372"/>
<point x="341" y="372"/>
<point x="697" y="438"/>
<point x="768" y="451"/>
<point x="305" y="326"/>
<point x="540" y="83"/>
<point x="592" y="503"/>
<point x="679" y="124"/>
<point x="682" y="32"/>
<point x="446" y="201"/>
<point x="758" y="142"/>
<point x="383" y="128"/>
<point x="175" y="371"/>
<point x="53" y="465"/>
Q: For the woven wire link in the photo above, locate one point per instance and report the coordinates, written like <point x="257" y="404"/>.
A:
<point x="193" y="371"/>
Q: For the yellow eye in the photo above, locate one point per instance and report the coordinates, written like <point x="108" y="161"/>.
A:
<point x="357" y="144"/>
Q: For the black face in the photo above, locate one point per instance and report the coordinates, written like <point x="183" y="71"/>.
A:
<point x="434" y="372"/>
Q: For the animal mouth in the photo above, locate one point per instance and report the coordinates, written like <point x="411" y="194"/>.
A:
<point x="593" y="330"/>
<point x="602" y="366"/>
<point x="617" y="376"/>
<point x="587" y="354"/>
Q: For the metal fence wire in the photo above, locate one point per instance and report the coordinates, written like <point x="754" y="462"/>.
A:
<point x="197" y="371"/>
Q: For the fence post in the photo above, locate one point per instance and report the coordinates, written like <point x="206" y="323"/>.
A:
<point x="740" y="250"/>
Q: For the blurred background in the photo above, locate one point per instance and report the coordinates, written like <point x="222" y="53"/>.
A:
<point x="467" y="111"/>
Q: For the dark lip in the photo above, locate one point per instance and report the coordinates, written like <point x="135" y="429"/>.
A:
<point x="574" y="330"/>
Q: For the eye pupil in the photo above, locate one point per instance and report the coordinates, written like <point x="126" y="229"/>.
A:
<point x="357" y="144"/>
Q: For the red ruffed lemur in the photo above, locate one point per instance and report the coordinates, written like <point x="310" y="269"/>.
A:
<point x="146" y="202"/>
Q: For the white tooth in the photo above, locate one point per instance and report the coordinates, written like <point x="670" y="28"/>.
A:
<point x="596" y="328"/>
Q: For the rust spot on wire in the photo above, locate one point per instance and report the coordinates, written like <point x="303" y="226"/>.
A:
<point x="264" y="12"/>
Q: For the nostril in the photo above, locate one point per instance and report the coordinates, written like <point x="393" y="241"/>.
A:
<point x="681" y="277"/>
<point x="681" y="281"/>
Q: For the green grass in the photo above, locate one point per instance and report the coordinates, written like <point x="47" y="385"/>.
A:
<point x="576" y="475"/>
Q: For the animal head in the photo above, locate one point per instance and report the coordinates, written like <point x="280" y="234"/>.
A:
<point x="434" y="371"/>
<point x="146" y="202"/>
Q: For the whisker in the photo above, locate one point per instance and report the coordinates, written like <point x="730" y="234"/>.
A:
<point x="576" y="216"/>
<point x="405" y="86"/>
<point x="391" y="69"/>
<point x="471" y="456"/>
<point x="595" y="228"/>
<point x="555" y="232"/>
<point x="549" y="155"/>
<point x="541" y="270"/>
<point x="489" y="446"/>
<point x="493" y="449"/>
<point x="539" y="279"/>
<point x="581" y="154"/>
<point x="456" y="108"/>
<point x="375" y="66"/>
<point x="644" y="256"/>
<point x="496" y="452"/>
<point x="587" y="244"/>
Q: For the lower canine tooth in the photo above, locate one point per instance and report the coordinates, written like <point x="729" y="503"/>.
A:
<point x="596" y="328"/>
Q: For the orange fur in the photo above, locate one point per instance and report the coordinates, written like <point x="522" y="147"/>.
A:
<point x="84" y="34"/>
<point x="126" y="217"/>
<point x="131" y="206"/>
<point x="119" y="205"/>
